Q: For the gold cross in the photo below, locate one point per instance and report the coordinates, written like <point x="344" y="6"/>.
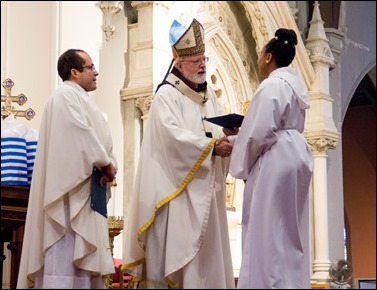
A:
<point x="7" y="109"/>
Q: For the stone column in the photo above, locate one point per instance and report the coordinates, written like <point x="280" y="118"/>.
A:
<point x="322" y="135"/>
<point x="147" y="60"/>
<point x="321" y="263"/>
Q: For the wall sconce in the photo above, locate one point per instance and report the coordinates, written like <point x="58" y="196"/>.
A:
<point x="109" y="8"/>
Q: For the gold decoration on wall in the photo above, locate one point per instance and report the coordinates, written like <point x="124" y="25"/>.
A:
<point x="7" y="108"/>
<point x="245" y="106"/>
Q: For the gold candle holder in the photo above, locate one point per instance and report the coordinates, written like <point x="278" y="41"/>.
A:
<point x="115" y="227"/>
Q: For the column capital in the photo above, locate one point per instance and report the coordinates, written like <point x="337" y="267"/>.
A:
<point x="144" y="104"/>
<point x="320" y="144"/>
<point x="109" y="8"/>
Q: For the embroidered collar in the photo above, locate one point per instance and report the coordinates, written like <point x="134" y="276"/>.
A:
<point x="198" y="97"/>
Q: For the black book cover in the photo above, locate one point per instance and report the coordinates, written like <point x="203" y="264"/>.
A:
<point x="98" y="193"/>
<point x="227" y="121"/>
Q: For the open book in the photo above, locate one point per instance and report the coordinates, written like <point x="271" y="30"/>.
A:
<point x="227" y="121"/>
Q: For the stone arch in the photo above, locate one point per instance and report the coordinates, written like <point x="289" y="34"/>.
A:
<point x="370" y="68"/>
<point x="278" y="14"/>
<point x="229" y="71"/>
<point x="231" y="47"/>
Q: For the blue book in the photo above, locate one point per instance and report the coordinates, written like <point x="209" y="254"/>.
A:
<point x="98" y="193"/>
<point x="227" y="121"/>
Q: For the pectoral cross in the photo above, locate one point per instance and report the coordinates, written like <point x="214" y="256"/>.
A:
<point x="7" y="108"/>
<point x="204" y="96"/>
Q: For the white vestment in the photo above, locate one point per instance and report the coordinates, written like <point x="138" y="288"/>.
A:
<point x="74" y="136"/>
<point x="272" y="155"/>
<point x="176" y="232"/>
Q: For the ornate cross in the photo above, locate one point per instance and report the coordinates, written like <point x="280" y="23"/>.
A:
<point x="7" y="109"/>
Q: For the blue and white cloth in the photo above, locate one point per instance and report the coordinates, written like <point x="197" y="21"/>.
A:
<point x="13" y="161"/>
<point x="31" y="139"/>
<point x="18" y="147"/>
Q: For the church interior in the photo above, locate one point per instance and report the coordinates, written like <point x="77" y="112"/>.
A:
<point x="128" y="41"/>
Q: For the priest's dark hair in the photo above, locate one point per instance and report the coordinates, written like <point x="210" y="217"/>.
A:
<point x="69" y="60"/>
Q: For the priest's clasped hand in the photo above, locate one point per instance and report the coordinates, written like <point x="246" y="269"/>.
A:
<point x="223" y="147"/>
<point x="108" y="174"/>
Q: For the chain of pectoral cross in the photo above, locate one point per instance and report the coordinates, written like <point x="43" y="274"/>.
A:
<point x="7" y="108"/>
